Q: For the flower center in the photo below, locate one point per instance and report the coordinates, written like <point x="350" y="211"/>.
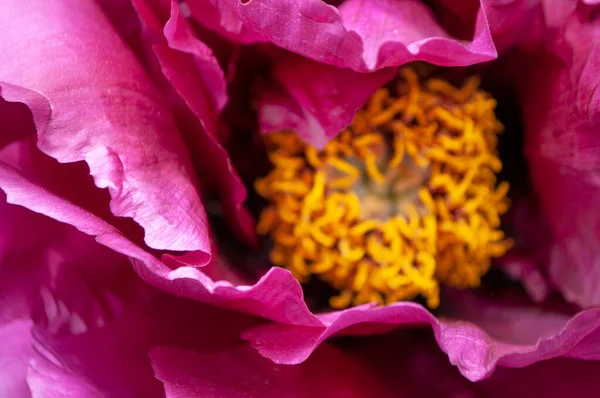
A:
<point x="401" y="201"/>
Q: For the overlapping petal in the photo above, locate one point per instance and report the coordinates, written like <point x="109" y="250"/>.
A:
<point x="297" y="332"/>
<point x="15" y="346"/>
<point x="76" y="321"/>
<point x="318" y="100"/>
<point x="59" y="282"/>
<point x="561" y="108"/>
<point x="363" y="35"/>
<point x="194" y="74"/>
<point x="494" y="333"/>
<point x="106" y="112"/>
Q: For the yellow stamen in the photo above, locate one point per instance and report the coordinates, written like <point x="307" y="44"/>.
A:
<point x="403" y="200"/>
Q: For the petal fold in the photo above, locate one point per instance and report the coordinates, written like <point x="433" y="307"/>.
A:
<point x="363" y="35"/>
<point x="106" y="111"/>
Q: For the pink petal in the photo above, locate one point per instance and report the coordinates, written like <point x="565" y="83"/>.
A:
<point x="110" y="358"/>
<point x="511" y="22"/>
<point x="561" y="108"/>
<point x="422" y="370"/>
<point x="527" y="260"/>
<point x="60" y="280"/>
<point x="315" y="100"/>
<point x="276" y="296"/>
<point x="516" y="336"/>
<point x="48" y="380"/>
<point x="15" y="346"/>
<point x="104" y="111"/>
<point x="363" y="35"/>
<point x="400" y="364"/>
<point x="13" y="114"/>
<point x="318" y="100"/>
<point x="552" y="379"/>
<point x="194" y="73"/>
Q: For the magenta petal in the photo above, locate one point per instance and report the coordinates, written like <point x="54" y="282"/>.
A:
<point x="194" y="74"/>
<point x="15" y="349"/>
<point x="513" y="22"/>
<point x="52" y="276"/>
<point x="48" y="380"/>
<point x="363" y="35"/>
<point x="240" y="371"/>
<point x="104" y="111"/>
<point x="14" y="114"/>
<point x="468" y="346"/>
<point x="561" y="106"/>
<point x="550" y="379"/>
<point x="183" y="60"/>
<point x="318" y="100"/>
<point x="315" y="100"/>
<point x="276" y="296"/>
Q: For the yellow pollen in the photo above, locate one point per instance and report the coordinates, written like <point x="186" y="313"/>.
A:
<point x="402" y="201"/>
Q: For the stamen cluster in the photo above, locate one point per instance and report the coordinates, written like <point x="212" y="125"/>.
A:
<point x="401" y="201"/>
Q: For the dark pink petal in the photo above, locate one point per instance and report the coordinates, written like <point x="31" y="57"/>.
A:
<point x="561" y="108"/>
<point x="104" y="351"/>
<point x="527" y="260"/>
<point x="553" y="379"/>
<point x="104" y="111"/>
<point x="399" y="364"/>
<point x="277" y="296"/>
<point x="240" y="371"/>
<point x="363" y="35"/>
<point x="511" y="22"/>
<point x="57" y="279"/>
<point x="424" y="371"/>
<point x="15" y="116"/>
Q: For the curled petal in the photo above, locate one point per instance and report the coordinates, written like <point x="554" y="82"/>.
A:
<point x="240" y="371"/>
<point x="318" y="100"/>
<point x="277" y="296"/>
<point x="519" y="337"/>
<point x="193" y="71"/>
<point x="363" y="35"/>
<point x="106" y="112"/>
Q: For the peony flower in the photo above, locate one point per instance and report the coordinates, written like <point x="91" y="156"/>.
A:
<point x="134" y="171"/>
